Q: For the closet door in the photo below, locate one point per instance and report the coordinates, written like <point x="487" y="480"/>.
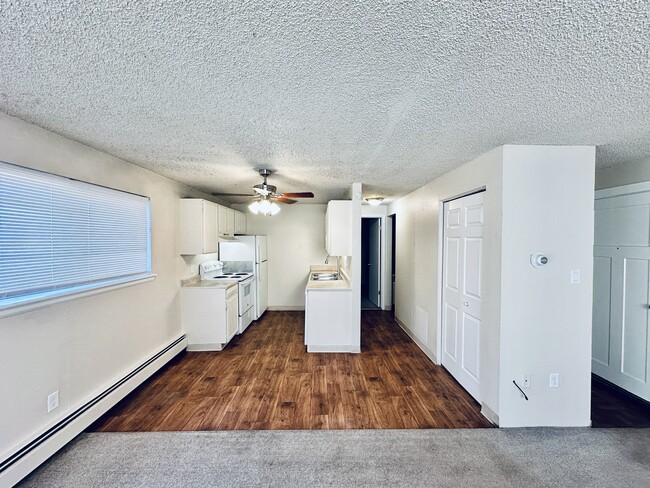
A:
<point x="621" y="341"/>
<point x="462" y="295"/>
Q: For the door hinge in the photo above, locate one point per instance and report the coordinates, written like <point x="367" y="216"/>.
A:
<point x="378" y="292"/>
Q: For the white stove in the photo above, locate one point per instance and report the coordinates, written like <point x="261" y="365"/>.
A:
<point x="213" y="271"/>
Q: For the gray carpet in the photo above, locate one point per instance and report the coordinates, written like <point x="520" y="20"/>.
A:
<point x="414" y="458"/>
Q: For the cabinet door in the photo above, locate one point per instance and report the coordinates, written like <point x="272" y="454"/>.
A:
<point x="338" y="230"/>
<point x="232" y="316"/>
<point x="230" y="228"/>
<point x="198" y="226"/>
<point x="223" y="220"/>
<point x="240" y="223"/>
<point x="209" y="227"/>
<point x="226" y="221"/>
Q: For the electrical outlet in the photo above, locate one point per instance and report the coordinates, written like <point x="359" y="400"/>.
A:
<point x="193" y="269"/>
<point x="52" y="401"/>
<point x="554" y="380"/>
<point x="525" y="381"/>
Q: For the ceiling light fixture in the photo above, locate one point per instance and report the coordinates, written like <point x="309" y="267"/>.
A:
<point x="374" y="201"/>
<point x="264" y="207"/>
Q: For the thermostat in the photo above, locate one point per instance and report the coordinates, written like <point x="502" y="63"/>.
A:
<point x="538" y="259"/>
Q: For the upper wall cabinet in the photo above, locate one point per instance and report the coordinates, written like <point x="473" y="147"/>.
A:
<point x="240" y="222"/>
<point x="198" y="226"/>
<point x="338" y="230"/>
<point x="226" y="222"/>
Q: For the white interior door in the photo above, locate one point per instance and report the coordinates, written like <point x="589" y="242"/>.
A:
<point x="462" y="294"/>
<point x="621" y="341"/>
<point x="374" y="257"/>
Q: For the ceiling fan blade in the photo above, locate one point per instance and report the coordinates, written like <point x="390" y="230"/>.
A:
<point x="281" y="199"/>
<point x="233" y="195"/>
<point x="301" y="194"/>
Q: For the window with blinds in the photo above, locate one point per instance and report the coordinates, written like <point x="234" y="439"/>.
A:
<point x="60" y="236"/>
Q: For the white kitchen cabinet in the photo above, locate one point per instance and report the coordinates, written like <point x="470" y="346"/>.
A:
<point x="327" y="320"/>
<point x="338" y="228"/>
<point x="209" y="315"/>
<point x="240" y="222"/>
<point x="198" y="226"/>
<point x="226" y="221"/>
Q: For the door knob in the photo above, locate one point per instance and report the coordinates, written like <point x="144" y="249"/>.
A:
<point x="466" y="304"/>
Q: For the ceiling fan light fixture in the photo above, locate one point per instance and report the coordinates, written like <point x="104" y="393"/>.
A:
<point x="374" y="201"/>
<point x="275" y="208"/>
<point x="254" y="207"/>
<point x="265" y="207"/>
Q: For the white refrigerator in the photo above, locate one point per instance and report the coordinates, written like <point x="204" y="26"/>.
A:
<point x="250" y="248"/>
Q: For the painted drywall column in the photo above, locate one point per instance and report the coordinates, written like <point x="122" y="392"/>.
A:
<point x="545" y="320"/>
<point x="538" y="198"/>
<point x="295" y="240"/>
<point x="355" y="318"/>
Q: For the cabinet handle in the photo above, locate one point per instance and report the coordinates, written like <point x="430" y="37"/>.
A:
<point x="466" y="304"/>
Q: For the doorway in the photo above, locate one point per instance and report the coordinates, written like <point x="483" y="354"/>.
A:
<point x="621" y="314"/>
<point x="371" y="263"/>
<point x="391" y="227"/>
<point x="463" y="229"/>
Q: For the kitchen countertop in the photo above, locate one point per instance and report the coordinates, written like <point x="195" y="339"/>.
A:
<point x="343" y="284"/>
<point x="197" y="283"/>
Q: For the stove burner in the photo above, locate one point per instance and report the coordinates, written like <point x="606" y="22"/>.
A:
<point x="229" y="274"/>
<point x="241" y="274"/>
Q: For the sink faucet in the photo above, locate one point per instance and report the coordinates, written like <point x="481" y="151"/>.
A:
<point x="338" y="263"/>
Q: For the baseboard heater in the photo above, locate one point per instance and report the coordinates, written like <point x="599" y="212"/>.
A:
<point x="8" y="465"/>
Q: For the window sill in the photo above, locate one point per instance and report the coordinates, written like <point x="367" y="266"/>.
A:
<point x="37" y="303"/>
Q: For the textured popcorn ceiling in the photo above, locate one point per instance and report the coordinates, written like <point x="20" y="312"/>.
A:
<point x="388" y="93"/>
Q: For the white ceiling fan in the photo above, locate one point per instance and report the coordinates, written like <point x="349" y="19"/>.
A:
<point x="266" y="196"/>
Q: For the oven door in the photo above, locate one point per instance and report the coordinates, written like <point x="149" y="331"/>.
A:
<point x="246" y="295"/>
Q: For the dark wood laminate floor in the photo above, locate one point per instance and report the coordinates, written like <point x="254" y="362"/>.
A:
<point x="612" y="407"/>
<point x="264" y="379"/>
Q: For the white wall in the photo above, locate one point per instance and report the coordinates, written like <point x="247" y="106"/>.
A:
<point x="525" y="186"/>
<point x="80" y="347"/>
<point x="296" y="240"/>
<point x="624" y="174"/>
<point x="548" y="202"/>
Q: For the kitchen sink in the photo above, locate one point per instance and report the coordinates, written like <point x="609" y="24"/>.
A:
<point x="325" y="276"/>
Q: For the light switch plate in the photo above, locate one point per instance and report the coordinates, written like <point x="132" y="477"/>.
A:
<point x="575" y="276"/>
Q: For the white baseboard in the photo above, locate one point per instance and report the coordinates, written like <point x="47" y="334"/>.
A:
<point x="217" y="346"/>
<point x="324" y="348"/>
<point x="417" y="340"/>
<point x="287" y="308"/>
<point x="489" y="414"/>
<point x="22" y="462"/>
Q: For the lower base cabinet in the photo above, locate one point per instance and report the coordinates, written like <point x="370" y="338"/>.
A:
<point x="327" y="320"/>
<point x="209" y="316"/>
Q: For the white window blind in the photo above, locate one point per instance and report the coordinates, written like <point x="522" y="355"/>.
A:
<point x="60" y="236"/>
